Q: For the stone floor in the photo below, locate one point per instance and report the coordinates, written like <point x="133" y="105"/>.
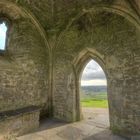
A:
<point x="94" y="126"/>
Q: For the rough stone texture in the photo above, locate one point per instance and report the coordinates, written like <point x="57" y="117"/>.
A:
<point x="20" y="123"/>
<point x="93" y="127"/>
<point x="24" y="65"/>
<point x="117" y="41"/>
<point x="50" y="42"/>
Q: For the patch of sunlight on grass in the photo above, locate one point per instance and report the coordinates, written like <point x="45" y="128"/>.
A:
<point x="91" y="102"/>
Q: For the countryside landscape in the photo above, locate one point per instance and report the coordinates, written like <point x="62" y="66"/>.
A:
<point x="94" y="96"/>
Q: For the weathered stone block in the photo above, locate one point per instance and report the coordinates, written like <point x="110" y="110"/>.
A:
<point x="20" y="121"/>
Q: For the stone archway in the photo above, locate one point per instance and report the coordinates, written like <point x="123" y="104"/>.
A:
<point x="79" y="64"/>
<point x="114" y="45"/>
<point x="93" y="95"/>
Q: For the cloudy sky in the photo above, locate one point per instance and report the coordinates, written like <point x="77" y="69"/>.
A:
<point x="3" y="30"/>
<point x="93" y="75"/>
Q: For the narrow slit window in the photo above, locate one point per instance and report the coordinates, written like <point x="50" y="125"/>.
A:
<point x="3" y="35"/>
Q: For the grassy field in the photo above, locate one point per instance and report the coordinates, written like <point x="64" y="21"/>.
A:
<point x="93" y="102"/>
<point x="100" y="96"/>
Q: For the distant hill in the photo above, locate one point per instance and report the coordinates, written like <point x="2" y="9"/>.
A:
<point x="94" y="88"/>
<point x="98" y="92"/>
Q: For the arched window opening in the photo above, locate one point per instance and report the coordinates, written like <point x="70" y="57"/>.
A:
<point x="3" y="35"/>
<point x="93" y="94"/>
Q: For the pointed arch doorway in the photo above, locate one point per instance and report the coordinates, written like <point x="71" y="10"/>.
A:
<point x="93" y="94"/>
<point x="80" y="64"/>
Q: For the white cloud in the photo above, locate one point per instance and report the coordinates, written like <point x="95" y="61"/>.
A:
<point x="3" y="29"/>
<point x="93" y="74"/>
<point x="2" y="33"/>
<point x="96" y="82"/>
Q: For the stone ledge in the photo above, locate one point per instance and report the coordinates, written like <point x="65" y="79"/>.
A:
<point x="13" y="113"/>
<point x="19" y="122"/>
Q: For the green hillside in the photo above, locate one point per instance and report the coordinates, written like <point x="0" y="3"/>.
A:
<point x="94" y="96"/>
<point x="94" y="103"/>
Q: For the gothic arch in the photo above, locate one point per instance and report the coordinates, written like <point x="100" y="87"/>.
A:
<point x="14" y="12"/>
<point x="116" y="9"/>
<point x="78" y="65"/>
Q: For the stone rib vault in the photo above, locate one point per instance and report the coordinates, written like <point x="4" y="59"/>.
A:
<point x="48" y="44"/>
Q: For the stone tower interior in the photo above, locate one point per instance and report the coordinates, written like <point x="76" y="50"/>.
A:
<point x="48" y="44"/>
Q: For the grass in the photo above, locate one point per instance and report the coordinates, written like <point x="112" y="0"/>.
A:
<point x="101" y="95"/>
<point x="96" y="103"/>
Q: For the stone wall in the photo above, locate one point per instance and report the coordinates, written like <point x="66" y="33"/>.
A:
<point x="45" y="39"/>
<point x="24" y="65"/>
<point x="117" y="41"/>
<point x="22" y="121"/>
